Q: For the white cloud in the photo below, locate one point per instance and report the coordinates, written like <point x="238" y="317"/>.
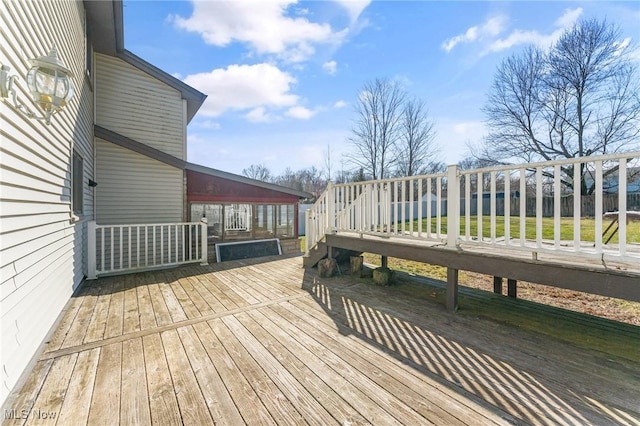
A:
<point x="267" y="27"/>
<point x="208" y="124"/>
<point x="569" y="18"/>
<point x="493" y="27"/>
<point x="242" y="87"/>
<point x="177" y="75"/>
<point x="340" y="104"/>
<point x="354" y="7"/>
<point x="300" y="113"/>
<point x="490" y="28"/>
<point x="330" y="67"/>
<point x="259" y="115"/>
<point x="621" y="46"/>
<point x="517" y="36"/>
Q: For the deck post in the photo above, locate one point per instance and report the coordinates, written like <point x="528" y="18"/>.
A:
<point x="497" y="285"/>
<point x="92" y="227"/>
<point x="204" y="251"/>
<point x="384" y="261"/>
<point x="453" y="207"/>
<point x="512" y="288"/>
<point x="331" y="209"/>
<point x="452" y="289"/>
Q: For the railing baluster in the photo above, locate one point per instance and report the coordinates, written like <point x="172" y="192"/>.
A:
<point x="539" y="201"/>
<point x="577" y="204"/>
<point x="598" y="207"/>
<point x="396" y="211"/>
<point x="191" y="242"/>
<point x="622" y="206"/>
<point x="523" y="206"/>
<point x="129" y="246"/>
<point x="411" y="206"/>
<point x="403" y="207"/>
<point x="153" y="252"/>
<point x="420" y="200"/>
<point x="557" y="226"/>
<point x="467" y="206"/>
<point x="102" y="249"/>
<point x="507" y="207"/>
<point x="429" y="186"/>
<point x="479" y="206"/>
<point x="111" y="256"/>
<point x="492" y="207"/>
<point x="120" y="232"/>
<point x="161" y="244"/>
<point x="439" y="206"/>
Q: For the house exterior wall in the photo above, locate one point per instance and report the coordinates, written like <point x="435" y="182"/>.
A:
<point x="133" y="188"/>
<point x="138" y="106"/>
<point x="42" y="246"/>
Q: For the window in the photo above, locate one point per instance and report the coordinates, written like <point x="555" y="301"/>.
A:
<point x="77" y="170"/>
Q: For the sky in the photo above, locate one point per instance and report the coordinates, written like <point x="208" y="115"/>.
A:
<point x="282" y="77"/>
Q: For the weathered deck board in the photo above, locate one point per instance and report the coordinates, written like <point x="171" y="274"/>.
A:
<point x="105" y="401"/>
<point x="134" y="396"/>
<point x="162" y="398"/>
<point x="220" y="403"/>
<point x="284" y="347"/>
<point x="267" y="342"/>
<point x="193" y="408"/>
<point x="241" y="390"/>
<point x="75" y="409"/>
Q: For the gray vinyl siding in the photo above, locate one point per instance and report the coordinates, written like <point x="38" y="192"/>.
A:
<point x="135" y="189"/>
<point x="42" y="252"/>
<point x="136" y="105"/>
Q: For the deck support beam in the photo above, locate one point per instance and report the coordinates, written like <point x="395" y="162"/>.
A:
<point x="452" y="289"/>
<point x="497" y="285"/>
<point x="512" y="287"/>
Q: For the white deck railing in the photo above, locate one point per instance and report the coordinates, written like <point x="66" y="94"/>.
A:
<point x="536" y="207"/>
<point x="114" y="249"/>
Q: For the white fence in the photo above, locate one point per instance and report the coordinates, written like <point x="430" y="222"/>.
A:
<point x="114" y="249"/>
<point x="459" y="214"/>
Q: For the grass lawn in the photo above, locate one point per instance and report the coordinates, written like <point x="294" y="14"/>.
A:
<point x="587" y="228"/>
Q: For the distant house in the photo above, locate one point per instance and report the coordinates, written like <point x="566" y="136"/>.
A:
<point x="610" y="181"/>
<point x="124" y="130"/>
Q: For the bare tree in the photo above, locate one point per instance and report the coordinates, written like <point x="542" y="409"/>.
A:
<point x="327" y="162"/>
<point x="258" y="172"/>
<point x="579" y="98"/>
<point x="416" y="152"/>
<point x="376" y="127"/>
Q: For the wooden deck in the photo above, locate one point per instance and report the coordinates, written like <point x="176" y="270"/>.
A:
<point x="267" y="342"/>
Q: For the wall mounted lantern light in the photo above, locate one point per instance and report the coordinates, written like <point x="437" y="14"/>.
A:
<point x="49" y="82"/>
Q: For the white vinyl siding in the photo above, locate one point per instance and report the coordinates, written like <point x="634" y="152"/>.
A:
<point x="133" y="188"/>
<point x="42" y="252"/>
<point x="138" y="106"/>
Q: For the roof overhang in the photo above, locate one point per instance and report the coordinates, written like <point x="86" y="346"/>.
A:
<point x="146" y="150"/>
<point x="106" y="23"/>
<point x="246" y="180"/>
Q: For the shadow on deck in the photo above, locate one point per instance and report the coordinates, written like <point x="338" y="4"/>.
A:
<point x="265" y="341"/>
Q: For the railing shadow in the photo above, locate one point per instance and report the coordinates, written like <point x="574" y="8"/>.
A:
<point x="512" y="375"/>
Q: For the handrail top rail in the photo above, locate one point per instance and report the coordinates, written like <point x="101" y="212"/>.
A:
<point x="505" y="167"/>
<point x="128" y="225"/>
<point x="550" y="163"/>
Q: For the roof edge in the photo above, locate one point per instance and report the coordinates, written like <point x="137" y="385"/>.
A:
<point x="139" y="147"/>
<point x="243" y="179"/>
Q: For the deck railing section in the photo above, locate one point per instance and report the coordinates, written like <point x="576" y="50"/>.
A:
<point x="115" y="249"/>
<point x="536" y="207"/>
